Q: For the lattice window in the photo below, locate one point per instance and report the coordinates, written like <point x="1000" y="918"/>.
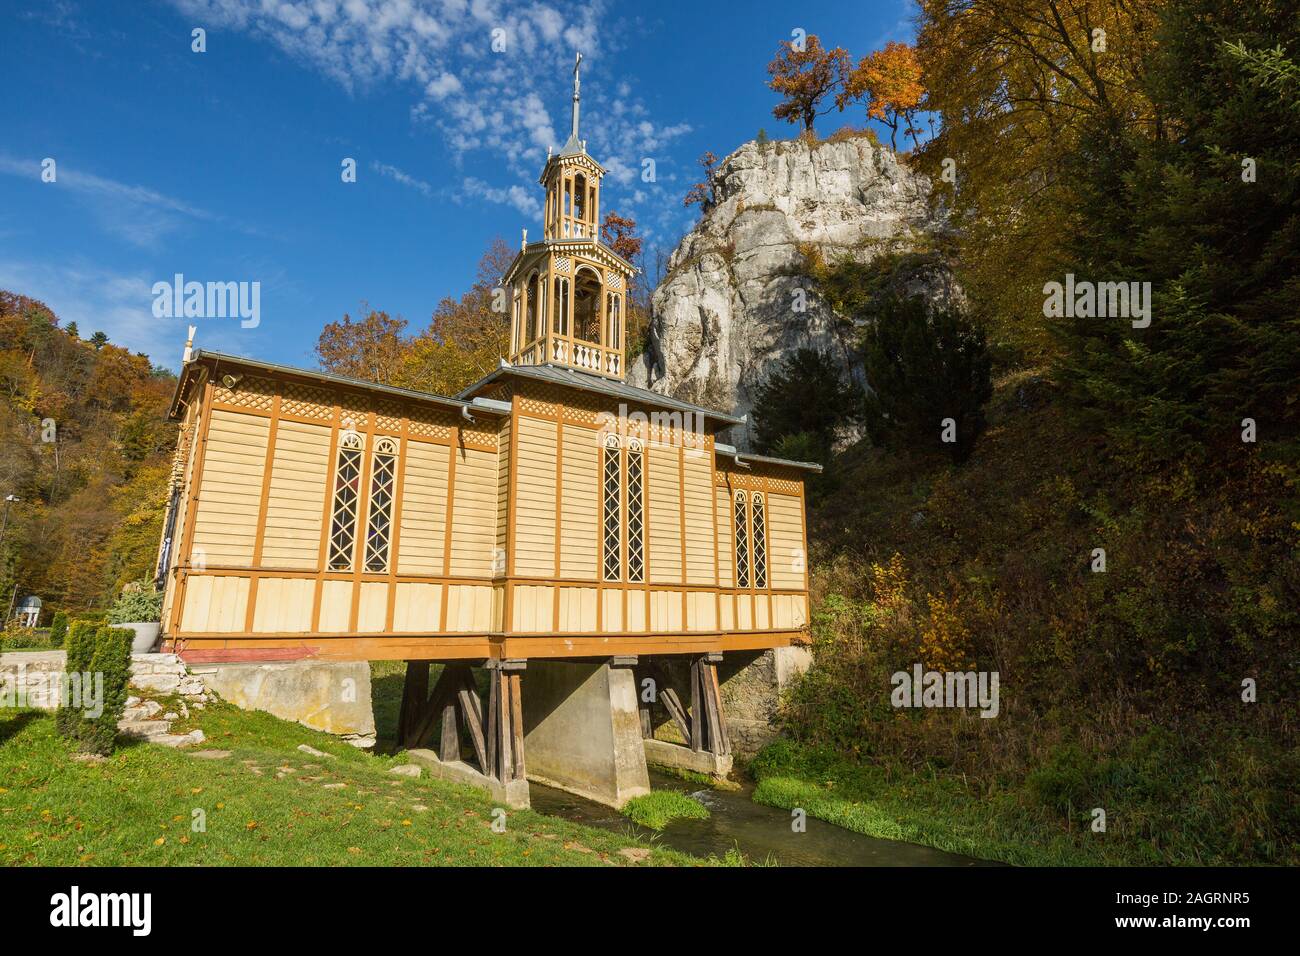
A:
<point x="635" y="512"/>
<point x="742" y="541"/>
<point x="760" y="541"/>
<point x="347" y="492"/>
<point x="613" y="492"/>
<point x="379" y="523"/>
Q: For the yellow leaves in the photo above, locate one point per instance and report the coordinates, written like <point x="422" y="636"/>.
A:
<point x="251" y="825"/>
<point x="160" y="841"/>
<point x="889" y="78"/>
<point x="945" y="638"/>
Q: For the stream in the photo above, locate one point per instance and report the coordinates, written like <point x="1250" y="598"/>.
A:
<point x="762" y="833"/>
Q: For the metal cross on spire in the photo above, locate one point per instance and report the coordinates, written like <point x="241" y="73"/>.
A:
<point x="577" y="86"/>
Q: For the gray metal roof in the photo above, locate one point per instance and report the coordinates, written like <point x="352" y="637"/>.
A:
<point x="558" y="375"/>
<point x="325" y="377"/>
<point x="742" y="457"/>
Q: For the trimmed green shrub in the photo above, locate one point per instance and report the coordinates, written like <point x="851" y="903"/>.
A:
<point x="80" y="651"/>
<point x="59" y="629"/>
<point x="138" y="603"/>
<point x="112" y="660"/>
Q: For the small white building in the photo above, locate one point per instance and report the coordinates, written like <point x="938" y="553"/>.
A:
<point x="29" y="611"/>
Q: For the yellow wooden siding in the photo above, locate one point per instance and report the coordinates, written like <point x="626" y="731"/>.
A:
<point x="534" y="532"/>
<point x="533" y="608"/>
<point x="665" y="610"/>
<point x="744" y="612"/>
<point x="698" y="484"/>
<point x="726" y="539"/>
<point x="214" y="604"/>
<point x="225" y="524"/>
<point x="612" y="608"/>
<point x="474" y="513"/>
<point x="500" y="558"/>
<point x="469" y="607"/>
<point x="727" y="612"/>
<point x="335" y="606"/>
<point x="417" y="608"/>
<point x="701" y="611"/>
<point x="300" y="472"/>
<point x="423" y="535"/>
<point x="786" y="548"/>
<point x="283" y="605"/>
<point x="577" y="610"/>
<point x="580" y="504"/>
<point x="663" y="515"/>
<point x="372" y="609"/>
<point x="636" y="612"/>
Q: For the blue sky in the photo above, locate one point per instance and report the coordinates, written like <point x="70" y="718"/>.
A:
<point x="225" y="165"/>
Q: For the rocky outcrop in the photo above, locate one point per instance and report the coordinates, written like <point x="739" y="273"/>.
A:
<point x="737" y="299"/>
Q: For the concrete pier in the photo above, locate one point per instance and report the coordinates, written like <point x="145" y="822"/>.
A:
<point x="582" y="730"/>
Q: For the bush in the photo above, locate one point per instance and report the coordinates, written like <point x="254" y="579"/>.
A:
<point x="805" y="396"/>
<point x="80" y="651"/>
<point x="138" y="603"/>
<point x="59" y="629"/>
<point x="112" y="660"/>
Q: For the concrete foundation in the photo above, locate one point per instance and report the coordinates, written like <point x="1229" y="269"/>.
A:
<point x="333" y="696"/>
<point x="582" y="731"/>
<point x="513" y="794"/>
<point x="662" y="753"/>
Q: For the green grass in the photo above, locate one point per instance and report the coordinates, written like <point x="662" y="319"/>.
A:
<point x="935" y="810"/>
<point x="660" y="807"/>
<point x="267" y="804"/>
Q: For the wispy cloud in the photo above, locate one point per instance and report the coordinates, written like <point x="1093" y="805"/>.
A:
<point x="140" y="215"/>
<point x="483" y="73"/>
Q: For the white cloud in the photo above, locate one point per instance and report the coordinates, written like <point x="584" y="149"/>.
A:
<point x="137" y="214"/>
<point x="395" y="174"/>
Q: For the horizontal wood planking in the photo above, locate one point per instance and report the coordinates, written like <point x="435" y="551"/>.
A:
<point x="726" y="537"/>
<point x="534" y="515"/>
<point x="698" y="487"/>
<point x="230" y="490"/>
<point x="663" y="514"/>
<point x="580" y="504"/>
<point x="299" y="478"/>
<point x="788" y="551"/>
<point x="423" y="525"/>
<point x="474" y="513"/>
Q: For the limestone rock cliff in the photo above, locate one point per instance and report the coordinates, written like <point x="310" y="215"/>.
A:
<point x="727" y="311"/>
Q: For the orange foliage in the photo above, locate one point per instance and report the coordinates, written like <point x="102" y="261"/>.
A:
<point x="889" y="80"/>
<point x="805" y="77"/>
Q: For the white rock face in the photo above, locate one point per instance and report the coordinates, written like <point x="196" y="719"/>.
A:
<point x="726" y="313"/>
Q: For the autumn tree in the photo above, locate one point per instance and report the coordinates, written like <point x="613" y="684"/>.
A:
<point x="702" y="192"/>
<point x="619" y="233"/>
<point x="369" y="349"/>
<point x="889" y="82"/>
<point x="466" y="336"/>
<point x="805" y="75"/>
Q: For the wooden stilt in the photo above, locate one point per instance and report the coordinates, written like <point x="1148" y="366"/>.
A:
<point x="698" y="718"/>
<point x="415" y="692"/>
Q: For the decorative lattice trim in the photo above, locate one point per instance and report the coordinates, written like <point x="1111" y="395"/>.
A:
<point x="635" y="512"/>
<point x="760" y="542"/>
<point x="612" y="487"/>
<point x="379" y="523"/>
<point x="742" y="541"/>
<point x="347" y="488"/>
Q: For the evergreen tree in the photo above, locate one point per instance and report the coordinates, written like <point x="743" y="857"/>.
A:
<point x="804" y="397"/>
<point x="925" y="367"/>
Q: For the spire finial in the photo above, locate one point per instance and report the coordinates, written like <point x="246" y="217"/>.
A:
<point x="577" y="86"/>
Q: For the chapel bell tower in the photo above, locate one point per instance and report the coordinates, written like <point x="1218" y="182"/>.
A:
<point x="569" y="290"/>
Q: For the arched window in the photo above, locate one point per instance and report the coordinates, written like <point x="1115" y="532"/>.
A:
<point x="379" y="522"/>
<point x="566" y="209"/>
<point x="560" y="323"/>
<point x="635" y="512"/>
<point x="530" y="329"/>
<point x="515" y="330"/>
<point x="580" y="198"/>
<point x="614" y="314"/>
<point x="612" y="530"/>
<point x="347" y="491"/>
<point x="759" y="524"/>
<point x="742" y="541"/>
<point x="586" y="305"/>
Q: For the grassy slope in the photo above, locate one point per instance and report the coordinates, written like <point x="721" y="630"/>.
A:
<point x="266" y="804"/>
